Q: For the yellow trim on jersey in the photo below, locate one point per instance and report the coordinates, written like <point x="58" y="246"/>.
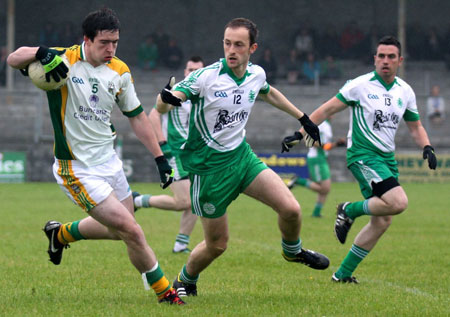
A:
<point x="74" y="186"/>
<point x="118" y="66"/>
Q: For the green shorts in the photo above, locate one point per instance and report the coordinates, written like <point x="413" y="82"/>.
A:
<point x="373" y="170"/>
<point x="211" y="194"/>
<point x="175" y="163"/>
<point x="318" y="169"/>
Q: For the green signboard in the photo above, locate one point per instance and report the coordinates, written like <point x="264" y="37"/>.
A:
<point x="12" y="167"/>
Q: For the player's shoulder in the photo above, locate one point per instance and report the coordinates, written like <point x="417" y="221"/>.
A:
<point x="119" y="66"/>
<point x="403" y="84"/>
<point x="359" y="81"/>
<point x="73" y="53"/>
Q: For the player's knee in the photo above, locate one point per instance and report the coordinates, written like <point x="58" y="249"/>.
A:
<point x="131" y="232"/>
<point x="382" y="223"/>
<point x="290" y="211"/>
<point x="399" y="205"/>
<point x="217" y="249"/>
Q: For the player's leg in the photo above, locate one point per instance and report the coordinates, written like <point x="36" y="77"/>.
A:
<point x="323" y="188"/>
<point x="215" y="243"/>
<point x="377" y="179"/>
<point x="188" y="219"/>
<point x="364" y="242"/>
<point x="270" y="189"/>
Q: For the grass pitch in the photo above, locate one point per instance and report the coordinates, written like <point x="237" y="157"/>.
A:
<point x="407" y="274"/>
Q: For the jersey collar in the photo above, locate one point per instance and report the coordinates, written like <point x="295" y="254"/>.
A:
<point x="387" y="86"/>
<point x="226" y="70"/>
<point x="82" y="53"/>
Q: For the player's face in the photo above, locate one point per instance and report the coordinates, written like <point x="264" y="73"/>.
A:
<point x="237" y="49"/>
<point x="103" y="48"/>
<point x="191" y="66"/>
<point x="387" y="62"/>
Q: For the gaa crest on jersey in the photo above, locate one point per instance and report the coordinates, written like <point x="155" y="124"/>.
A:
<point x="400" y="103"/>
<point x="251" y="96"/>
<point x="93" y="100"/>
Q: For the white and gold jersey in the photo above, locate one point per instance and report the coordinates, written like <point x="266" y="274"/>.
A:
<point x="81" y="109"/>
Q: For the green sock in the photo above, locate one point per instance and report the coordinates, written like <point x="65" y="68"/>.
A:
<point x="186" y="278"/>
<point x="356" y="209"/>
<point x="291" y="248"/>
<point x="303" y="182"/>
<point x="351" y="261"/>
<point x="317" y="209"/>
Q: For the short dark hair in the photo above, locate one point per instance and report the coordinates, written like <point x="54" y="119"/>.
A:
<point x="246" y="23"/>
<point x="196" y="59"/>
<point x="390" y="40"/>
<point x="100" y="20"/>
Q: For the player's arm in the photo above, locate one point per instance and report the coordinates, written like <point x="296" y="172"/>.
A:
<point x="278" y="100"/>
<point x="144" y="131"/>
<point x="420" y="136"/>
<point x="168" y="98"/>
<point x="155" y="121"/>
<point x="21" y="57"/>
<point x="326" y="110"/>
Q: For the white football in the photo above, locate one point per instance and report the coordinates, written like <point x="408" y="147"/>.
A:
<point x="37" y="75"/>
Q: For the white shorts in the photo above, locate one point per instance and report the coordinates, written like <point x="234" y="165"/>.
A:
<point x="89" y="186"/>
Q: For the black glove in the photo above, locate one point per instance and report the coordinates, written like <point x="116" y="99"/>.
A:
<point x="52" y="62"/>
<point x="166" y="149"/>
<point x="428" y="153"/>
<point x="168" y="97"/>
<point x="311" y="130"/>
<point x="166" y="172"/>
<point x="290" y="141"/>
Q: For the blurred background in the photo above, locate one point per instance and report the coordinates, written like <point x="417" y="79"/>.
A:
<point x="309" y="49"/>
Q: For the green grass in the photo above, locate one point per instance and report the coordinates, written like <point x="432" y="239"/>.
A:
<point x="407" y="274"/>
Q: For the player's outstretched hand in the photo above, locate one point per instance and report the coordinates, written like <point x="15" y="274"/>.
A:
<point x="428" y="153"/>
<point x="167" y="96"/>
<point x="52" y="62"/>
<point x="166" y="172"/>
<point x="311" y="129"/>
<point x="290" y="141"/>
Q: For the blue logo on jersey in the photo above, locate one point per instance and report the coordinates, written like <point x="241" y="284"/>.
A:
<point x="77" y="80"/>
<point x="371" y="96"/>
<point x="220" y="94"/>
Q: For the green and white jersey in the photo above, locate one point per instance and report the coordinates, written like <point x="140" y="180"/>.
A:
<point x="81" y="109"/>
<point x="376" y="111"/>
<point x="326" y="136"/>
<point x="175" y="125"/>
<point x="221" y="105"/>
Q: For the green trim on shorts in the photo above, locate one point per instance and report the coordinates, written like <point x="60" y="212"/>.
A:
<point x="372" y="170"/>
<point x="212" y="194"/>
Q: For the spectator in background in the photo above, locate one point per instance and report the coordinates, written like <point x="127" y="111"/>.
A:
<point x="415" y="42"/>
<point x="351" y="41"/>
<point x="174" y="55"/>
<point x="435" y="106"/>
<point x="293" y="67"/>
<point x="49" y="35"/>
<point x="162" y="40"/>
<point x="370" y="43"/>
<point x="148" y="54"/>
<point x="69" y="36"/>
<point x="304" y="42"/>
<point x="331" y="69"/>
<point x="269" y="64"/>
<point x="328" y="43"/>
<point x="310" y="69"/>
<point x="433" y="45"/>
